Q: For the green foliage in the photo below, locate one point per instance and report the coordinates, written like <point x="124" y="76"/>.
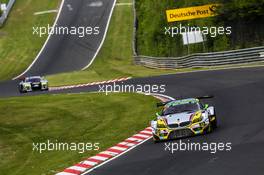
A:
<point x="246" y="18"/>
<point x="238" y="14"/>
<point x="18" y="45"/>
<point x="241" y="9"/>
<point x="4" y="1"/>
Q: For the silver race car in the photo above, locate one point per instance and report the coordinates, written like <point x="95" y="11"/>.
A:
<point x="29" y="84"/>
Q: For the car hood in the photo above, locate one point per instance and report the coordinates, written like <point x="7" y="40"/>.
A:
<point x="179" y="117"/>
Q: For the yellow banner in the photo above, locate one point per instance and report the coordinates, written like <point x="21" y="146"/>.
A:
<point x="191" y="12"/>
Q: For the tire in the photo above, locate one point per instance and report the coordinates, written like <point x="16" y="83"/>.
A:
<point x="156" y="139"/>
<point x="21" y="89"/>
<point x="214" y="123"/>
<point x="209" y="129"/>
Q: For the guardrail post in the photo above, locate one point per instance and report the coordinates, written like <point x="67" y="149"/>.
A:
<point x="6" y="12"/>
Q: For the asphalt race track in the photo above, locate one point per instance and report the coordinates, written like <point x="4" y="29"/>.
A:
<point x="239" y="96"/>
<point x="64" y="53"/>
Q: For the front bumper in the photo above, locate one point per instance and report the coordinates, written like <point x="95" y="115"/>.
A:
<point x="171" y="133"/>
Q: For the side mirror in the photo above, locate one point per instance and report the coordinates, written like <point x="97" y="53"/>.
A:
<point x="160" y="104"/>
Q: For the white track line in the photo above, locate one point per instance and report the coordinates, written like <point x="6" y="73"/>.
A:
<point x="105" y="32"/>
<point x="46" y="42"/>
<point x="45" y="12"/>
<point x="123" y="4"/>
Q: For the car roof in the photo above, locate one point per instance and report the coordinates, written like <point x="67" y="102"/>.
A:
<point x="33" y="77"/>
<point x="182" y="101"/>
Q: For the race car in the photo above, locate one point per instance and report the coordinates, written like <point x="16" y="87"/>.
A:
<point x="33" y="83"/>
<point x="183" y="118"/>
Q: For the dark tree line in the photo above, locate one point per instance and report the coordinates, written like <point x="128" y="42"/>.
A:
<point x="246" y="17"/>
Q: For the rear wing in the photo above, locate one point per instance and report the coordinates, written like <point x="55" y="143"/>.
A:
<point x="199" y="98"/>
<point x="205" y="97"/>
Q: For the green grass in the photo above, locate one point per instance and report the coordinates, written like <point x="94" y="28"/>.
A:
<point x="66" y="118"/>
<point x="18" y="45"/>
<point x="4" y="1"/>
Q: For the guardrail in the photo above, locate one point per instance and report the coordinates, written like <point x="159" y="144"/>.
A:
<point x="6" y="12"/>
<point x="249" y="55"/>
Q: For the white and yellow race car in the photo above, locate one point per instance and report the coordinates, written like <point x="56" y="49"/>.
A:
<point x="183" y="118"/>
<point x="32" y="83"/>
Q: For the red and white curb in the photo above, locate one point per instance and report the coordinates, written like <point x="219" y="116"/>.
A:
<point x="111" y="153"/>
<point x="108" y="154"/>
<point x="88" y="84"/>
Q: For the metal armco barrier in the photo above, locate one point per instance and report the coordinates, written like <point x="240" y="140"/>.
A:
<point x="241" y="56"/>
<point x="5" y="13"/>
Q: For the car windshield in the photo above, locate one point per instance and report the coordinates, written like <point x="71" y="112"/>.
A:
<point x="33" y="80"/>
<point x="189" y="107"/>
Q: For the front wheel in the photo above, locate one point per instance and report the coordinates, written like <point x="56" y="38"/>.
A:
<point x="21" y="89"/>
<point x="209" y="128"/>
<point x="156" y="139"/>
<point x="213" y="121"/>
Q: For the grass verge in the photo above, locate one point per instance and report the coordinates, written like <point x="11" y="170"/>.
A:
<point x="18" y="45"/>
<point x="66" y="118"/>
<point x="4" y="1"/>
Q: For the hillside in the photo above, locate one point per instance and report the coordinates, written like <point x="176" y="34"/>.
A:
<point x="245" y="19"/>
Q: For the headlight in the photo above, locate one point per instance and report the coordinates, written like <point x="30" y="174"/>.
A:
<point x="198" y="117"/>
<point x="161" y="124"/>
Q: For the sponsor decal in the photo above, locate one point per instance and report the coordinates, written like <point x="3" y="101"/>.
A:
<point x="188" y="13"/>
